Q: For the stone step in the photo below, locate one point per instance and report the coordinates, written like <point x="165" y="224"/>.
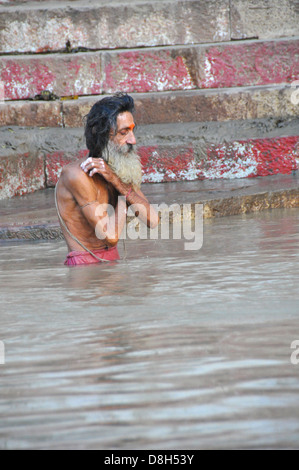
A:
<point x="227" y="65"/>
<point x="48" y="26"/>
<point x="275" y="101"/>
<point x="14" y="3"/>
<point x="32" y="159"/>
<point x="33" y="217"/>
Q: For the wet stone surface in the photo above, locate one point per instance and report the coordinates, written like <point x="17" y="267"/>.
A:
<point x="33" y="217"/>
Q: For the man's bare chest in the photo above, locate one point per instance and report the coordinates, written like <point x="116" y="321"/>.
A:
<point x="105" y="192"/>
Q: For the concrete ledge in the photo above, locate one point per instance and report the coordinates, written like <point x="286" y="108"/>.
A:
<point x="236" y="159"/>
<point x="31" y="113"/>
<point x="164" y="107"/>
<point x="25" y="77"/>
<point x="32" y="233"/>
<point x="214" y="105"/>
<point x="151" y="70"/>
<point x="31" y="159"/>
<point x="47" y="27"/>
<point x="21" y="173"/>
<point x="264" y="19"/>
<point x="33" y="217"/>
<point x="202" y="159"/>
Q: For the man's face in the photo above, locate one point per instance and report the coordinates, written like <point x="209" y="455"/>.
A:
<point x="120" y="154"/>
<point x="124" y="134"/>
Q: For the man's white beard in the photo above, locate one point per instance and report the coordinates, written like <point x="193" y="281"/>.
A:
<point x="125" y="163"/>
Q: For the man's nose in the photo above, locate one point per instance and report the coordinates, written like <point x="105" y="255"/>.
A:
<point x="131" y="139"/>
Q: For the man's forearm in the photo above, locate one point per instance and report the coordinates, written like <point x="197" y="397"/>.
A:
<point x="109" y="228"/>
<point x="120" y="216"/>
<point x="140" y="205"/>
<point x="117" y="220"/>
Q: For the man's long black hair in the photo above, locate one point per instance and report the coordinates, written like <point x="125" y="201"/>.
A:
<point x="102" y="119"/>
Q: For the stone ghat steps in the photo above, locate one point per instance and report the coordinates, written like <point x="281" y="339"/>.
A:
<point x="206" y="65"/>
<point x="47" y="26"/>
<point x="65" y="3"/>
<point x="257" y="102"/>
<point x="32" y="158"/>
<point x="171" y="68"/>
<point x="221" y="80"/>
<point x="34" y="217"/>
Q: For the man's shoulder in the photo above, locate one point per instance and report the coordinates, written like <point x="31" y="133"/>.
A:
<point x="79" y="183"/>
<point x="72" y="169"/>
<point x="72" y="174"/>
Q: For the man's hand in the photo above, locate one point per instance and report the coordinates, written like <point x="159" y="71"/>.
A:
<point x="133" y="197"/>
<point x="98" y="165"/>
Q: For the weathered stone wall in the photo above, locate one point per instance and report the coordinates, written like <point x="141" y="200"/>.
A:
<point x="184" y="61"/>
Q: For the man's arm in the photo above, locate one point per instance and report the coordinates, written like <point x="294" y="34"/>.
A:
<point x="137" y="199"/>
<point x="107" y="227"/>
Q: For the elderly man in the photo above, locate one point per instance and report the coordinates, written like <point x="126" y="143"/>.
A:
<point x="109" y="179"/>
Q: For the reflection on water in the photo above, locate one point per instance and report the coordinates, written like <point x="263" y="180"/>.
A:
<point x="169" y="349"/>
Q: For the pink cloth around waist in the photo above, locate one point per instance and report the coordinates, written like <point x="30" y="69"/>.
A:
<point x="78" y="258"/>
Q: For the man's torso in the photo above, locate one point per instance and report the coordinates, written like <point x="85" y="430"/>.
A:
<point x="96" y="191"/>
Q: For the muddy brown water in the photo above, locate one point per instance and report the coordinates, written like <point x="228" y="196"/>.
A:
<point x="167" y="350"/>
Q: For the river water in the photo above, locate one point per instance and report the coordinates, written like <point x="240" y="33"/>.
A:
<point x="170" y="349"/>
